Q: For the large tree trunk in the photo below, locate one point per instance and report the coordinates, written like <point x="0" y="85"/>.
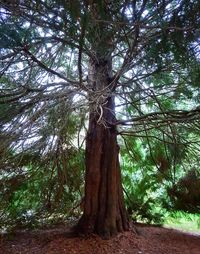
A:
<point x="104" y="210"/>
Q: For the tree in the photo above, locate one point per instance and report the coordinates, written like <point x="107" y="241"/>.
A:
<point x="74" y="57"/>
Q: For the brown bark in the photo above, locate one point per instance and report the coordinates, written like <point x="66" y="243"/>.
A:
<point x="104" y="210"/>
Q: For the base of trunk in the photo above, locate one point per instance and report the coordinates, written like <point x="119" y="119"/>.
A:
<point x="85" y="227"/>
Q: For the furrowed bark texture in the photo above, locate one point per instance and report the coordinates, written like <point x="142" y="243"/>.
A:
<point x="104" y="210"/>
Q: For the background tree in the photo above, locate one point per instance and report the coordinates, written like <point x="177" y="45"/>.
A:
<point x="127" y="67"/>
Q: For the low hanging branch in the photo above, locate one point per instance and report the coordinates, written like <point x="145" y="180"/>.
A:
<point x="175" y="116"/>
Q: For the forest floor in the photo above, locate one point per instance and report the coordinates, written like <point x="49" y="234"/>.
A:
<point x="143" y="239"/>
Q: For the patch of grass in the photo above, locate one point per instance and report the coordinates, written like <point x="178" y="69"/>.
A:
<point x="183" y="221"/>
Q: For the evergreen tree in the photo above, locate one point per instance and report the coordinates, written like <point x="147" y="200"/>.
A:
<point x="66" y="62"/>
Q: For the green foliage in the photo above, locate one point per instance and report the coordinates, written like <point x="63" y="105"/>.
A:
<point x="142" y="189"/>
<point x="47" y="52"/>
<point x="46" y="180"/>
<point x="43" y="186"/>
<point x="183" y="221"/>
<point x="185" y="195"/>
<point x="154" y="180"/>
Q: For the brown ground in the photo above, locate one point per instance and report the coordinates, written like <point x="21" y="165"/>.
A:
<point x="147" y="240"/>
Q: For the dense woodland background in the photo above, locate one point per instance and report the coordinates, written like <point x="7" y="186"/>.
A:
<point x="44" y="52"/>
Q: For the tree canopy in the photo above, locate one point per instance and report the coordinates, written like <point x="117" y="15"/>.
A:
<point x="47" y="47"/>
